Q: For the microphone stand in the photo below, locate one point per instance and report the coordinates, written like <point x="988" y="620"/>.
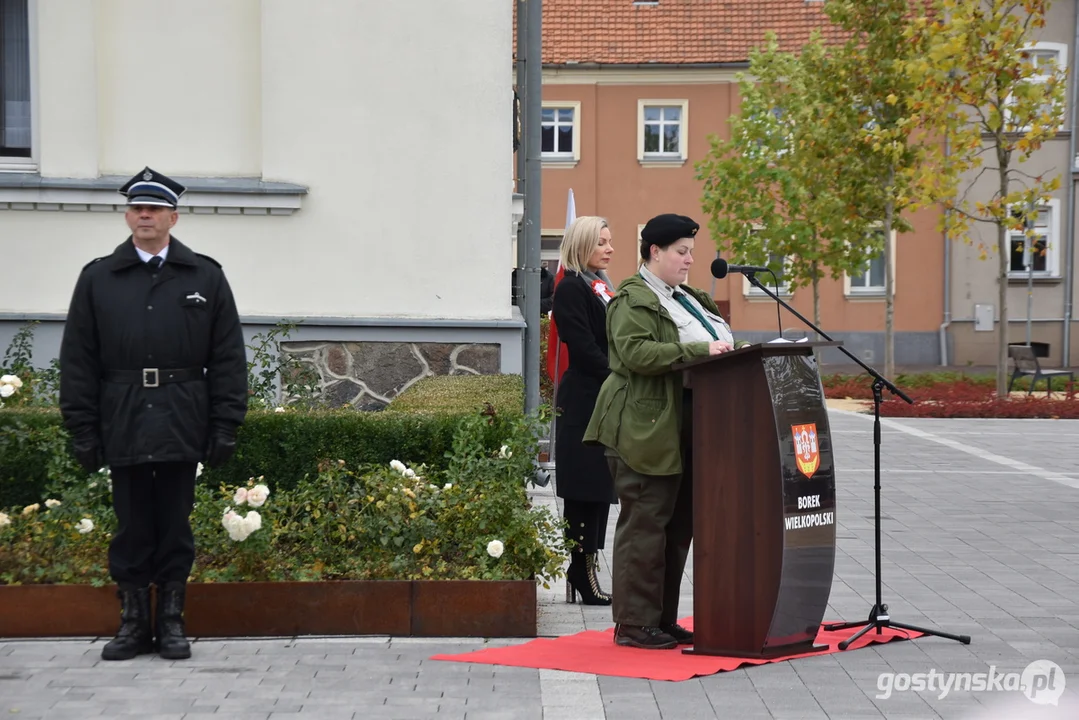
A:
<point x="878" y="614"/>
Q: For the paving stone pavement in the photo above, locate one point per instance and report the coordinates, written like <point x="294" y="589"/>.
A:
<point x="980" y="536"/>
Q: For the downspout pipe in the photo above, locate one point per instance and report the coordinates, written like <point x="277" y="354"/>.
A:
<point x="947" y="280"/>
<point x="1069" y="244"/>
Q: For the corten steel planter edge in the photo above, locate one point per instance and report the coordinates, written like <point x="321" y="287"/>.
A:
<point x="276" y="609"/>
<point x="474" y="608"/>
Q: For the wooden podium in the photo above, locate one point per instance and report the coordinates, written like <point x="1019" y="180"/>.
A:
<point x="764" y="501"/>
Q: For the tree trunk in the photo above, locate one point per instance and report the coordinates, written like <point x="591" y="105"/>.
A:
<point x="816" y="311"/>
<point x="816" y="300"/>
<point x="1002" y="280"/>
<point x="889" y="290"/>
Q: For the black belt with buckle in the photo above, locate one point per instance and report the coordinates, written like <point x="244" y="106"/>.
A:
<point x="153" y="377"/>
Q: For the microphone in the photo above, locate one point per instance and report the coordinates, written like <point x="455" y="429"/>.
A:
<point x="720" y="268"/>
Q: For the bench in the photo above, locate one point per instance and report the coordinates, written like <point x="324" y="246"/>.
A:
<point x="1026" y="363"/>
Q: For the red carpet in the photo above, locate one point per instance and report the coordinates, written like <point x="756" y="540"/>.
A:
<point x="595" y="652"/>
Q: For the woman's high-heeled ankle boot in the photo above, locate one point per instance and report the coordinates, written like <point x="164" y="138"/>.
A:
<point x="581" y="578"/>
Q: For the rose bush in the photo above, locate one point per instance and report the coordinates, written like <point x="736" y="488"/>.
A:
<point x="469" y="518"/>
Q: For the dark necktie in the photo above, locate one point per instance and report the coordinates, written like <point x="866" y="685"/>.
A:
<point x="684" y="301"/>
<point x="154" y="263"/>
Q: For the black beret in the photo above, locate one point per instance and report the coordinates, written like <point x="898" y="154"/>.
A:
<point x="666" y="229"/>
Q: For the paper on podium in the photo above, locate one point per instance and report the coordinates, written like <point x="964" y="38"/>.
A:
<point x="784" y="340"/>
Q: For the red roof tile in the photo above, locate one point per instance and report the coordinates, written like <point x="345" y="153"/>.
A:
<point x="618" y="32"/>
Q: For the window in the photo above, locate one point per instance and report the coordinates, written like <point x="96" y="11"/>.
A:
<point x="560" y="124"/>
<point x="1048" y="59"/>
<point x="662" y="131"/>
<point x="1039" y="254"/>
<point x="774" y="131"/>
<point x="550" y="249"/>
<point x="775" y="260"/>
<point x="14" y="79"/>
<point x="870" y="281"/>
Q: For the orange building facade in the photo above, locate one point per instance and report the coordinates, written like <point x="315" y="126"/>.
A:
<point x="601" y="127"/>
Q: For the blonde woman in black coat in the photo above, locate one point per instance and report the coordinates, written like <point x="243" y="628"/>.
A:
<point x="582" y="477"/>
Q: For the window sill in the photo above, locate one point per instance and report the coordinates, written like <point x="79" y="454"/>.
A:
<point x="17" y="165"/>
<point x="867" y="296"/>
<point x="759" y="296"/>
<point x="205" y="196"/>
<point x="662" y="162"/>
<point x="559" y="163"/>
<point x="1038" y="280"/>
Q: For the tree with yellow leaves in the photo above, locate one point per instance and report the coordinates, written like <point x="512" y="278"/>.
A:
<point x="978" y="85"/>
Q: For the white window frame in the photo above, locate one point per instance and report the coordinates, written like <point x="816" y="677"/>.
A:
<point x="565" y="159"/>
<point x="876" y="293"/>
<point x="1052" y="255"/>
<point x="29" y="164"/>
<point x="751" y="292"/>
<point x="1061" y="50"/>
<point x="676" y="159"/>
<point x="551" y="257"/>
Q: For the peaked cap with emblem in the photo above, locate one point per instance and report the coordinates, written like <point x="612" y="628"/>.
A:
<point x="150" y="187"/>
<point x="666" y="229"/>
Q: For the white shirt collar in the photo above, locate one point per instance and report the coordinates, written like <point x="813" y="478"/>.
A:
<point x="145" y="256"/>
<point x="655" y="283"/>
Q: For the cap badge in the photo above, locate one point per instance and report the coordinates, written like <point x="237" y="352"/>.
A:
<point x="147" y="176"/>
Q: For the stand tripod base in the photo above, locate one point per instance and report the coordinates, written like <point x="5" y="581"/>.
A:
<point x="878" y="618"/>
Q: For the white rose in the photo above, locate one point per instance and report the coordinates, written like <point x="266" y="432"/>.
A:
<point x="4" y="519"/>
<point x="447" y="486"/>
<point x="252" y="522"/>
<point x="30" y="509"/>
<point x="12" y="380"/>
<point x="240" y="497"/>
<point x="495" y="548"/>
<point x="409" y="473"/>
<point x="85" y="525"/>
<point x="257" y="495"/>
<point x="398" y="466"/>
<point x="234" y="525"/>
<point x="505" y="452"/>
<point x="6" y="390"/>
<point x="50" y="503"/>
<point x="279" y="409"/>
<point x="198" y="470"/>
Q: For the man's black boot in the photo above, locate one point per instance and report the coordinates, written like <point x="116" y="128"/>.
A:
<point x="172" y="642"/>
<point x="135" y="636"/>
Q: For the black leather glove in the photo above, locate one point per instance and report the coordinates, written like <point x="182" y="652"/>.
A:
<point x="221" y="446"/>
<point x="89" y="455"/>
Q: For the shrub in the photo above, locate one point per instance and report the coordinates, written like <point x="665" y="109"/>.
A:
<point x="287" y="445"/>
<point x="954" y="395"/>
<point x="467" y="518"/>
<point x="33" y="452"/>
<point x="459" y="394"/>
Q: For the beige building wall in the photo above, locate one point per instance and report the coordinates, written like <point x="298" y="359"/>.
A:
<point x="976" y="258"/>
<point x="406" y="161"/>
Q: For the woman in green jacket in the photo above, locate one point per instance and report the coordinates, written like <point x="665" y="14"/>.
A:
<point x="642" y="416"/>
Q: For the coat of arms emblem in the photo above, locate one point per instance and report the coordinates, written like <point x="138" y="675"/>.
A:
<point x="806" y="448"/>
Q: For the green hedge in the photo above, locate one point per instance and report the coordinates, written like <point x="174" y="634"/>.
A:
<point x="417" y="428"/>
<point x="459" y="394"/>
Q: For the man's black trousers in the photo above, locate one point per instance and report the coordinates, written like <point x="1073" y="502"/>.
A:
<point x="153" y="540"/>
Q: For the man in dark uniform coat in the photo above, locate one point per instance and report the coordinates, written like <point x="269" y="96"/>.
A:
<point x="153" y="380"/>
